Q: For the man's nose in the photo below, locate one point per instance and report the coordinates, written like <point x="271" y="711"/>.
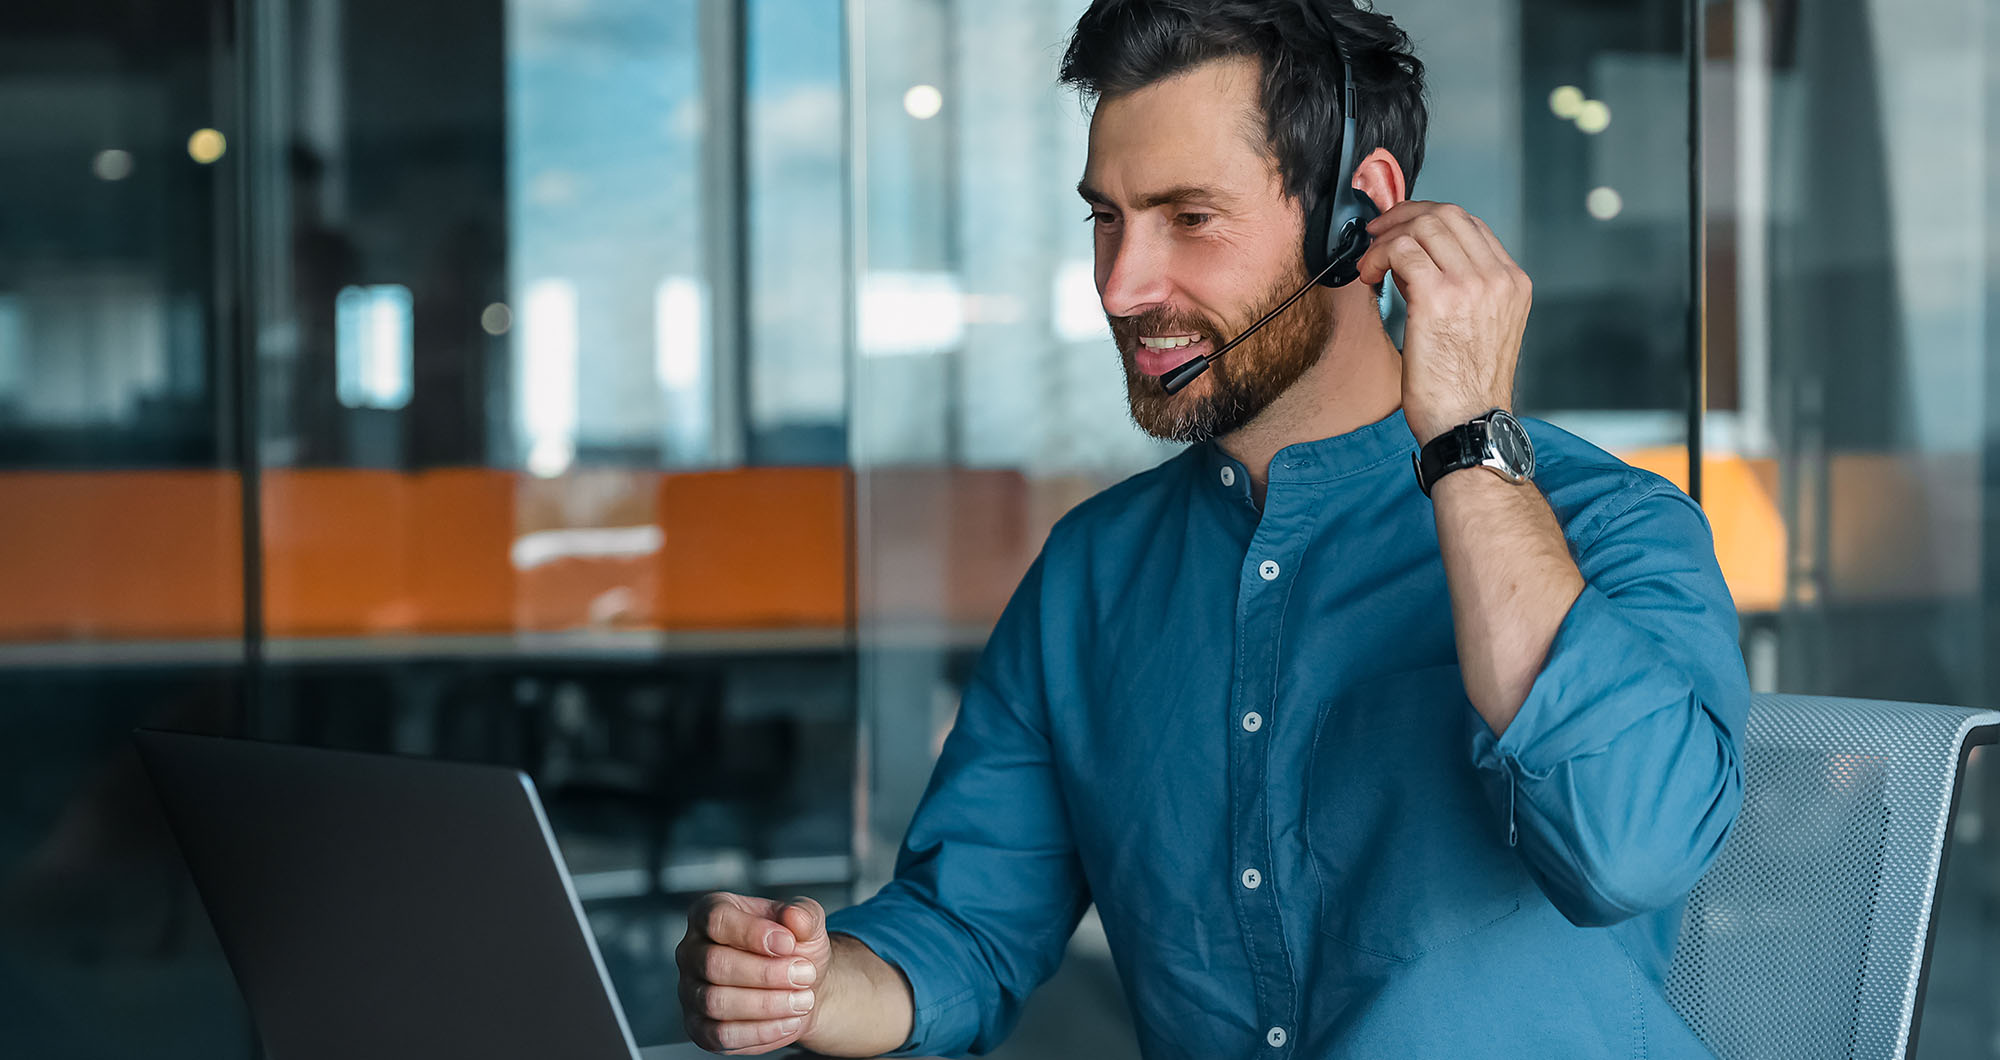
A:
<point x="1134" y="277"/>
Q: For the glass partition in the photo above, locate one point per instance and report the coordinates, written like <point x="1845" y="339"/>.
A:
<point x="121" y="563"/>
<point x="1851" y="270"/>
<point x="552" y="384"/>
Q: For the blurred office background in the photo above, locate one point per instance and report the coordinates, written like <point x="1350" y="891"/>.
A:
<point x="663" y="396"/>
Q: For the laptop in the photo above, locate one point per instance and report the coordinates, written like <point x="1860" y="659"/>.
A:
<point x="389" y="907"/>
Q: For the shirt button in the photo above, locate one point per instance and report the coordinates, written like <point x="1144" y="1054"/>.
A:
<point x="1253" y="721"/>
<point x="1251" y="878"/>
<point x="1229" y="476"/>
<point x="1276" y="1037"/>
<point x="1269" y="569"/>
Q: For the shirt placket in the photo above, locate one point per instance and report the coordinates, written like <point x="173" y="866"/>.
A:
<point x="1262" y="587"/>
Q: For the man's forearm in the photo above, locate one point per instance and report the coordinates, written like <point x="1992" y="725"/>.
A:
<point x="1512" y="580"/>
<point x="865" y="1006"/>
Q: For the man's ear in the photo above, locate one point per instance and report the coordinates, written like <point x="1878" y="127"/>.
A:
<point x="1380" y="177"/>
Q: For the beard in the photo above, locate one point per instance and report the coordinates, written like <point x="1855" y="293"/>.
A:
<point x="1243" y="383"/>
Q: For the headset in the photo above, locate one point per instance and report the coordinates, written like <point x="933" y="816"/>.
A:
<point x="1336" y="232"/>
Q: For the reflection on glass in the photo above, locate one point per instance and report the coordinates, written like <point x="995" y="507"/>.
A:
<point x="605" y="130"/>
<point x="681" y="362"/>
<point x="797" y="216"/>
<point x="545" y="349"/>
<point x="13" y="350"/>
<point x="371" y="346"/>
<point x="911" y="314"/>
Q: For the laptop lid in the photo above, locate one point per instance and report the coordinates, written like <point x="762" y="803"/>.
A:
<point x="387" y="907"/>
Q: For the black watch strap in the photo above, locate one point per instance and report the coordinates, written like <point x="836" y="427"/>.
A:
<point x="1461" y="447"/>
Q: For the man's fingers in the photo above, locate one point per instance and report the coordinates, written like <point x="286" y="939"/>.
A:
<point x="726" y="966"/>
<point x="1403" y="255"/>
<point x="1395" y="215"/>
<point x="746" y="1004"/>
<point x="747" y="924"/>
<point x="714" y="1036"/>
<point x="1455" y="245"/>
<point x="1440" y="228"/>
<point x="702" y="912"/>
<point x="804" y="917"/>
<point x="1499" y="249"/>
<point x="1441" y="241"/>
<point x="1478" y="246"/>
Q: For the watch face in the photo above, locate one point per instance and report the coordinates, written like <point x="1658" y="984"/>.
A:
<point x="1511" y="444"/>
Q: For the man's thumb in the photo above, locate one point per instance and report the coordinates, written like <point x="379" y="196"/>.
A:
<point x="805" y="918"/>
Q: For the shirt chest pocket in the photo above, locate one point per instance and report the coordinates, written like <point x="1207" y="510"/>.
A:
<point x="1411" y="855"/>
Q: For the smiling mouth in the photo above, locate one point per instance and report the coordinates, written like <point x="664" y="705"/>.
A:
<point x="1159" y="359"/>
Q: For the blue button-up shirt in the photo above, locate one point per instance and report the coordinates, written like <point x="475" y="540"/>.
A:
<point x="1243" y="733"/>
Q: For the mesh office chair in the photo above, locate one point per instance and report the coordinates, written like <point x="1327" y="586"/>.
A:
<point x="1811" y="934"/>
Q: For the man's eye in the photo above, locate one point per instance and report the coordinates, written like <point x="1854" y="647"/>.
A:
<point x="1098" y="216"/>
<point x="1193" y="220"/>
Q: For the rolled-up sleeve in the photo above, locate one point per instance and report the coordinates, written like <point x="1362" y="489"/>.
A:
<point x="1621" y="774"/>
<point x="988" y="887"/>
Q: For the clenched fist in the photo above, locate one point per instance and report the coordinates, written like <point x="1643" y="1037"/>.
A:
<point x="749" y="968"/>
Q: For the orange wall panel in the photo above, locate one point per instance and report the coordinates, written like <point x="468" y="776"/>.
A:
<point x="336" y="552"/>
<point x="754" y="548"/>
<point x="461" y="531"/>
<point x="584" y="549"/>
<point x="352" y="551"/>
<point x="120" y="554"/>
<point x="157" y="554"/>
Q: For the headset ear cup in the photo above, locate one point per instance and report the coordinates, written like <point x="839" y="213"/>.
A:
<point x="1365" y="211"/>
<point x="1358" y="240"/>
<point x="1350" y="241"/>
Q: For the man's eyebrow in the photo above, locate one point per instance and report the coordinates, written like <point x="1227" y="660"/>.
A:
<point x="1180" y="195"/>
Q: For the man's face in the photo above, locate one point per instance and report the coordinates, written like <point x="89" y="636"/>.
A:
<point x="1196" y="240"/>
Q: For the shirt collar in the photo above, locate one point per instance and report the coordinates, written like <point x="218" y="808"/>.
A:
<point x="1322" y="459"/>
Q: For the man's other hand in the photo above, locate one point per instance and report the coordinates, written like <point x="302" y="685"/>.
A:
<point x="750" y="971"/>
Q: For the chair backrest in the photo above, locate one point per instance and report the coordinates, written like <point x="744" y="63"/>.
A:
<point x="1811" y="933"/>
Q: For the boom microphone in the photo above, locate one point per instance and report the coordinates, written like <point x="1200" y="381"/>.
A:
<point x="1180" y="377"/>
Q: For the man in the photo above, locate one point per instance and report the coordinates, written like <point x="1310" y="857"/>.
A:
<point x="1351" y="767"/>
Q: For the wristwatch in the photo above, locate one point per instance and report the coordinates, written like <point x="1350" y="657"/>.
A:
<point x="1495" y="441"/>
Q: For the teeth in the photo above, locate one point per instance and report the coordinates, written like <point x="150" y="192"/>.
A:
<point x="1167" y="343"/>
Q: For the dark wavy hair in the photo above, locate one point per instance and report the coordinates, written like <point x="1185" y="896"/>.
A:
<point x="1122" y="45"/>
